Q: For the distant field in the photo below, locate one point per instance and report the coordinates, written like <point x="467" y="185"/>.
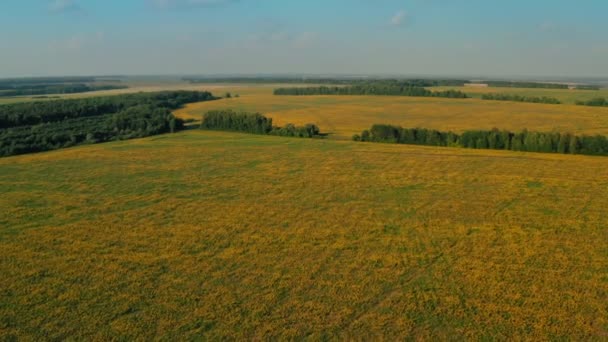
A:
<point x="346" y="115"/>
<point x="564" y="95"/>
<point x="134" y="87"/>
<point x="219" y="235"/>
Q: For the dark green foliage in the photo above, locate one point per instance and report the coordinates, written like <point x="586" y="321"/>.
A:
<point x="7" y="83"/>
<point x="450" y="94"/>
<point x="596" y="102"/>
<point x="519" y="98"/>
<point x="385" y="133"/>
<point x="269" y="80"/>
<point x="256" y="123"/>
<point x="142" y="120"/>
<point x="55" y="89"/>
<point x="390" y="88"/>
<point x="365" y="136"/>
<point x="53" y="85"/>
<point x="336" y="80"/>
<point x="134" y="122"/>
<point x="43" y="126"/>
<point x="229" y="120"/>
<point x="434" y="83"/>
<point x="414" y="136"/>
<point x="32" y="113"/>
<point x="587" y="87"/>
<point x="290" y="130"/>
<point x="494" y="139"/>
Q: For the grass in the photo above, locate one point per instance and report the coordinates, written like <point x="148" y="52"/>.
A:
<point x="229" y="236"/>
<point x="567" y="96"/>
<point x="344" y="116"/>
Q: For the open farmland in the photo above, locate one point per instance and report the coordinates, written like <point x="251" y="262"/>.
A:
<point x="152" y="86"/>
<point x="225" y="235"/>
<point x="225" y="170"/>
<point x="567" y="96"/>
<point x="344" y="116"/>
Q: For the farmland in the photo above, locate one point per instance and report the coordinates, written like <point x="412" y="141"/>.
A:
<point x="344" y="116"/>
<point x="225" y="170"/>
<point x="565" y="95"/>
<point x="137" y="86"/>
<point x="218" y="235"/>
<point x="226" y="235"/>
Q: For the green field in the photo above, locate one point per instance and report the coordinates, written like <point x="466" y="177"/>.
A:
<point x="230" y="236"/>
<point x="567" y="96"/>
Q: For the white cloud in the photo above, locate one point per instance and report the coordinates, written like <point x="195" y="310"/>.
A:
<point x="399" y="18"/>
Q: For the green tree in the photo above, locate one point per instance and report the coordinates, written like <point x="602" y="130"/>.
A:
<point x="562" y="145"/>
<point x="574" y="145"/>
<point x="365" y="136"/>
<point x="172" y="125"/>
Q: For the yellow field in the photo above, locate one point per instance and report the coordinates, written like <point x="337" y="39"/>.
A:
<point x="344" y="116"/>
<point x="230" y="236"/>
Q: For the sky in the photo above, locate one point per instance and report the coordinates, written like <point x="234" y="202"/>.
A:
<point x="351" y="37"/>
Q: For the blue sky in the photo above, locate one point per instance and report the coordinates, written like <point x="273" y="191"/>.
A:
<point x="406" y="37"/>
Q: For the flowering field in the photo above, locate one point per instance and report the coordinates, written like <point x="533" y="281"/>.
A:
<point x="232" y="236"/>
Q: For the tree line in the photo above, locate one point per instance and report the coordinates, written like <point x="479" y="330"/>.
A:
<point x="327" y="80"/>
<point x="270" y="80"/>
<point x="530" y="141"/>
<point x="45" y="89"/>
<point x="360" y="80"/>
<point x="510" y="84"/>
<point x="384" y="88"/>
<point x="519" y="98"/>
<point x="7" y="83"/>
<point x="43" y="126"/>
<point x="521" y="84"/>
<point x="596" y="102"/>
<point x="32" y="113"/>
<point x="255" y="123"/>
